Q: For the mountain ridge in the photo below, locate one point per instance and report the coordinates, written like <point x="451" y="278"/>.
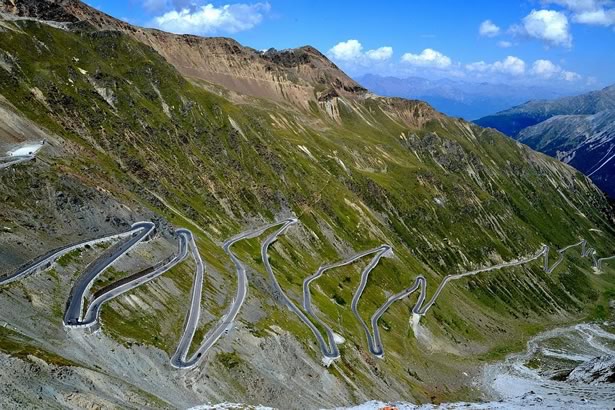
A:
<point x="578" y="130"/>
<point x="513" y="120"/>
<point x="294" y="75"/>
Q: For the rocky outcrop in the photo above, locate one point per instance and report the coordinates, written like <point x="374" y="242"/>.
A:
<point x="598" y="370"/>
<point x="412" y="113"/>
<point x="44" y="10"/>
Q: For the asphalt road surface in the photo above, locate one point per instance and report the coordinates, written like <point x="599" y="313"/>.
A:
<point x="382" y="251"/>
<point x="333" y="351"/>
<point x="279" y="294"/>
<point x="142" y="230"/>
<point x="72" y="316"/>
<point x="47" y="260"/>
<point x="6" y="162"/>
<point x="127" y="284"/>
<point x="420" y="282"/>
<point x="179" y="359"/>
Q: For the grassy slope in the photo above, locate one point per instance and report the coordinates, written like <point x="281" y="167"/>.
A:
<point x="498" y="201"/>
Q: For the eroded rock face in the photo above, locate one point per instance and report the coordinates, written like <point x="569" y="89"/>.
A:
<point x="295" y="76"/>
<point x="598" y="370"/>
<point x="47" y="10"/>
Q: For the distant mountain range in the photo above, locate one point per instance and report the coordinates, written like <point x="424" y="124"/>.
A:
<point x="578" y="130"/>
<point x="469" y="100"/>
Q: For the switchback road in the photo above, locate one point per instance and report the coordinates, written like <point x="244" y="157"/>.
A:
<point x="142" y="230"/>
<point x="72" y="316"/>
<point x="6" y="162"/>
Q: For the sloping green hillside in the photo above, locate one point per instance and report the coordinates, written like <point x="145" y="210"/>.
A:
<point x="449" y="196"/>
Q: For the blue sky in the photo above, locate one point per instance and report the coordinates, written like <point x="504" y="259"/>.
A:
<point x="561" y="43"/>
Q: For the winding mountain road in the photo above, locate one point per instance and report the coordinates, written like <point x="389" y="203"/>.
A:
<point x="76" y="298"/>
<point x="333" y="351"/>
<point x="6" y="162"/>
<point x="47" y="260"/>
<point x="142" y="230"/>
<point x="242" y="279"/>
<point x="73" y="317"/>
<point x="383" y="250"/>
<point x="421" y="283"/>
<point x="127" y="284"/>
<point x="179" y="359"/>
<point x="329" y="353"/>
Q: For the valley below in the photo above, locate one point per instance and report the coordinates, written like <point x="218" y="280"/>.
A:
<point x="569" y="367"/>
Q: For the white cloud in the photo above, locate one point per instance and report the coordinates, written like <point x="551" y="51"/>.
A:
<point x="577" y="5"/>
<point x="206" y="19"/>
<point x="382" y="53"/>
<point x="347" y="50"/>
<point x="352" y="51"/>
<point x="600" y="17"/>
<point x="593" y="12"/>
<point x="511" y="65"/>
<point x="548" y="25"/>
<point x="547" y="69"/>
<point x="427" y="58"/>
<point x="488" y="29"/>
<point x="505" y="44"/>
<point x="570" y="76"/>
<point x="479" y="66"/>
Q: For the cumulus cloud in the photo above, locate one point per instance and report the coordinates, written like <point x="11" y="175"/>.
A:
<point x="382" y="53"/>
<point x="600" y="17"/>
<point x="547" y="69"/>
<point x="488" y="29"/>
<point x="511" y="65"/>
<point x="427" y="58"/>
<point x="548" y="25"/>
<point x="576" y="5"/>
<point x="570" y="76"/>
<point x="206" y="19"/>
<point x="580" y="5"/>
<point x="431" y="63"/>
<point x="592" y="12"/>
<point x="347" y="50"/>
<point x="352" y="51"/>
